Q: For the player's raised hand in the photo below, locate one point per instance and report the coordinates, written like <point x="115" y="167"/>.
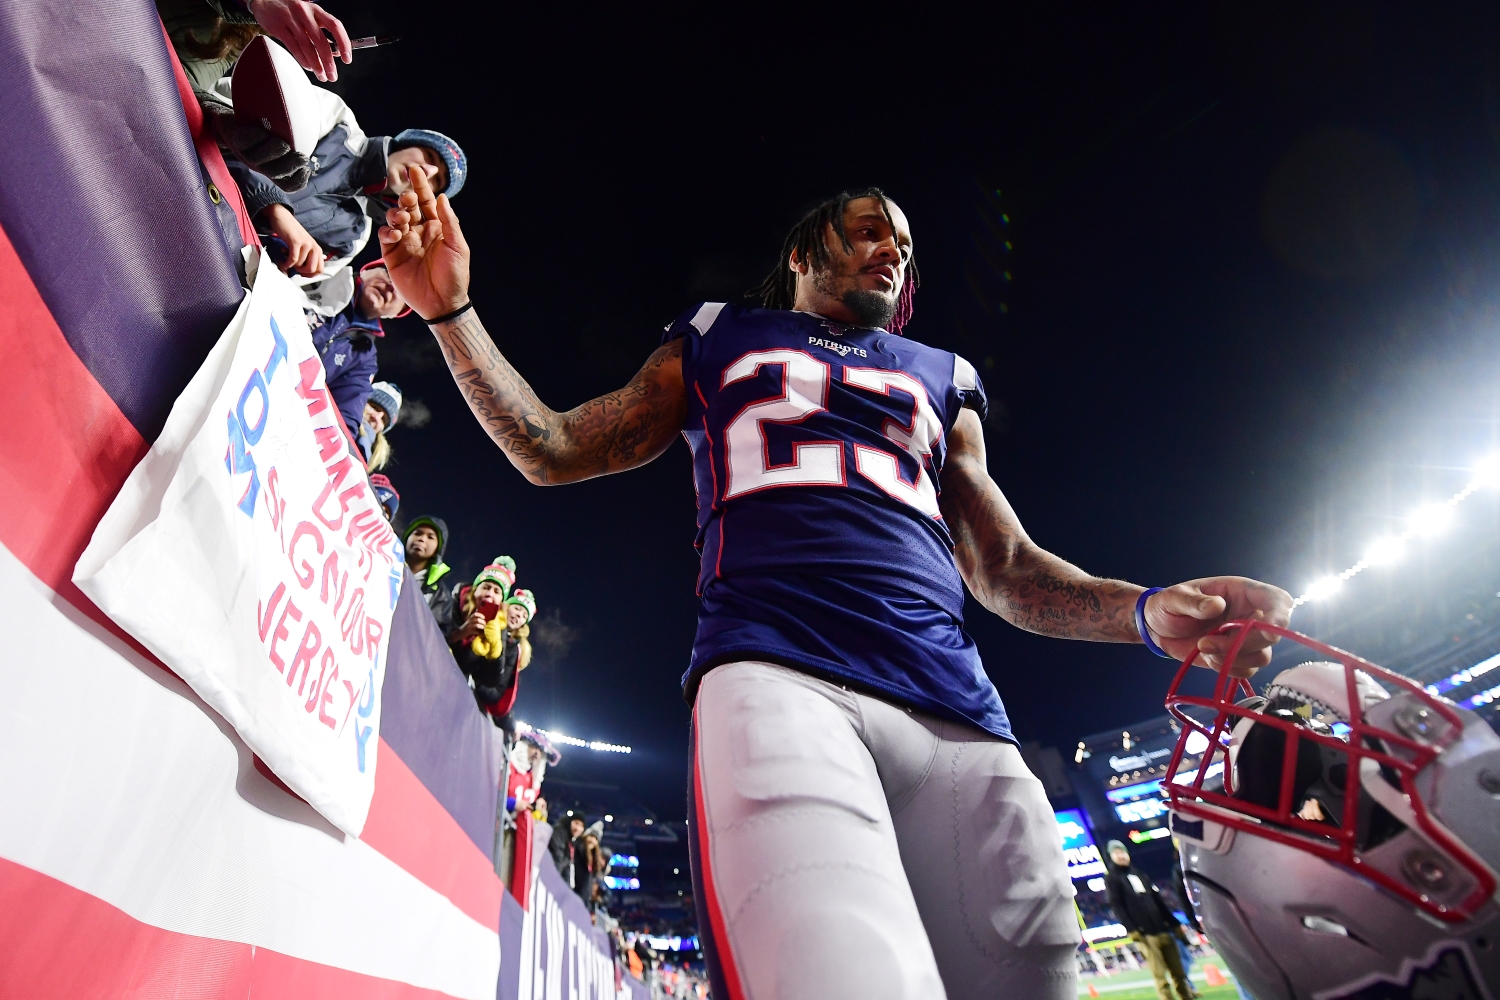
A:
<point x="1182" y="618"/>
<point x="424" y="250"/>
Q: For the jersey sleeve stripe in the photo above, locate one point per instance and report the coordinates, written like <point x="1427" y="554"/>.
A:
<point x="707" y="314"/>
<point x="964" y="375"/>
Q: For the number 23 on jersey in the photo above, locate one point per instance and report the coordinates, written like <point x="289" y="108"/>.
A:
<point x="804" y="393"/>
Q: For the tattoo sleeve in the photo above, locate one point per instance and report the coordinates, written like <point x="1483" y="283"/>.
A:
<point x="617" y="431"/>
<point x="1009" y="573"/>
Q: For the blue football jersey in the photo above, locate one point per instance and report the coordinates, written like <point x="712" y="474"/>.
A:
<point x="817" y="450"/>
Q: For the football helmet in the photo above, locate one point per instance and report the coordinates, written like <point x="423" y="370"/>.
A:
<point x="1340" y="833"/>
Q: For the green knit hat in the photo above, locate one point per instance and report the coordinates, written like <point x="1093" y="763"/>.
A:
<point x="525" y="599"/>
<point x="502" y="571"/>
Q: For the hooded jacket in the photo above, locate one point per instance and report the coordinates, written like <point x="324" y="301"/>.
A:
<point x="443" y="601"/>
<point x="1136" y="901"/>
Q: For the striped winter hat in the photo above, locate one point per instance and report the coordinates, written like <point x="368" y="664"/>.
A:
<point x="502" y="571"/>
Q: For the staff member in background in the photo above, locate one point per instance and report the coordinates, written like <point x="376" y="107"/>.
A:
<point x="1138" y="905"/>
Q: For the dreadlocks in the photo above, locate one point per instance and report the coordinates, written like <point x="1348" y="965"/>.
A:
<point x="807" y="241"/>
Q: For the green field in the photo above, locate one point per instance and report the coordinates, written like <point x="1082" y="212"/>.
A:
<point x="1138" y="986"/>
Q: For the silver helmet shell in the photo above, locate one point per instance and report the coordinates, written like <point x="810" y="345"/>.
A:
<point x="1409" y="910"/>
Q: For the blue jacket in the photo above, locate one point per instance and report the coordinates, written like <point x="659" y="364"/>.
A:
<point x="346" y="343"/>
<point x="332" y="205"/>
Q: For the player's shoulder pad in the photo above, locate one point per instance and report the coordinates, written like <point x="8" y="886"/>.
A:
<point x="697" y="320"/>
<point x="970" y="388"/>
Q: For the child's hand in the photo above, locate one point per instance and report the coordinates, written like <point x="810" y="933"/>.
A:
<point x="303" y="252"/>
<point x="471" y="627"/>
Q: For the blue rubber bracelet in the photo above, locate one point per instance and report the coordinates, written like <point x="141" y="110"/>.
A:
<point x="1140" y="623"/>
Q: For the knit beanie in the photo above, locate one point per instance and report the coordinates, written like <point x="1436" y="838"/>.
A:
<point x="447" y="150"/>
<point x="436" y="524"/>
<point x="387" y="396"/>
<point x="524" y="599"/>
<point x="543" y="744"/>
<point x="386" y="494"/>
<point x="502" y="571"/>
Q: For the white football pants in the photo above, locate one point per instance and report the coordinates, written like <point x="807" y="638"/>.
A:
<point x="846" y="847"/>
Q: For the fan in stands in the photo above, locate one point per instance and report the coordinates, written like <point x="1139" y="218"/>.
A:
<point x="1348" y="849"/>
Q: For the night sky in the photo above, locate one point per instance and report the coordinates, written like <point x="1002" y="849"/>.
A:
<point x="1229" y="275"/>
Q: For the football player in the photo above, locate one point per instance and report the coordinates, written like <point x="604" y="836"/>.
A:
<point x="862" y="822"/>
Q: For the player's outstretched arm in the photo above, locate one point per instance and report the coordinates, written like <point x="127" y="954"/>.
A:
<point x="428" y="260"/>
<point x="1032" y="588"/>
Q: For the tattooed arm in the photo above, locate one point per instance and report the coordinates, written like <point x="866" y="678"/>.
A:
<point x="428" y="260"/>
<point x="1032" y="588"/>
<point x="617" y="431"/>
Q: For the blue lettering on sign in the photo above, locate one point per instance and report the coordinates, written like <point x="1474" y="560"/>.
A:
<point x="242" y="437"/>
<point x="397" y="568"/>
<point x="362" y="733"/>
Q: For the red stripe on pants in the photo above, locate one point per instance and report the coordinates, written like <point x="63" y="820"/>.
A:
<point x="720" y="931"/>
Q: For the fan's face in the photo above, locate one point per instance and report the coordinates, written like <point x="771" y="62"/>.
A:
<point x="422" y="543"/>
<point x="378" y="298"/>
<point x="397" y="182"/>
<point x="374" y="417"/>
<point x="1120" y="856"/>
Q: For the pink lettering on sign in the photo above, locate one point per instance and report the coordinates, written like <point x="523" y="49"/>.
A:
<point x="282" y="633"/>
<point x="312" y="639"/>
<point x="269" y="612"/>
<point x="304" y="572"/>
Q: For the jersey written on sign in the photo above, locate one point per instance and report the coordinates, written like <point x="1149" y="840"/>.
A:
<point x="817" y="450"/>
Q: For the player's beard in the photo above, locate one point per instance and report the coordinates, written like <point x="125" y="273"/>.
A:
<point x="867" y="306"/>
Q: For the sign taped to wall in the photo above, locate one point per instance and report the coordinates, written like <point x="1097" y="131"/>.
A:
<point x="249" y="553"/>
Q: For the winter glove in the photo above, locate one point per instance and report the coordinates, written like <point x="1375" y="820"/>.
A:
<point x="490" y="642"/>
<point x="254" y="146"/>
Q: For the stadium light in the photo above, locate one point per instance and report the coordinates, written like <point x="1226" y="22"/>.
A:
<point x="573" y="741"/>
<point x="1427" y="521"/>
<point x="1196" y="743"/>
<point x="1324" y="588"/>
<point x="1431" y="520"/>
<point x="1487" y="470"/>
<point x="1384" y="551"/>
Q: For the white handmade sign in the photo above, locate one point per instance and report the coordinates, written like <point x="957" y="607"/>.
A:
<point x="249" y="553"/>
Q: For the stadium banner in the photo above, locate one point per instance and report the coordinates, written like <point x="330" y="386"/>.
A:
<point x="248" y="552"/>
<point x="556" y="951"/>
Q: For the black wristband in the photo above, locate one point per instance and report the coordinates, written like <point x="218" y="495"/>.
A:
<point x="447" y="316"/>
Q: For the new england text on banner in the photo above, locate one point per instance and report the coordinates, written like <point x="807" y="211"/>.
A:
<point x="249" y="553"/>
